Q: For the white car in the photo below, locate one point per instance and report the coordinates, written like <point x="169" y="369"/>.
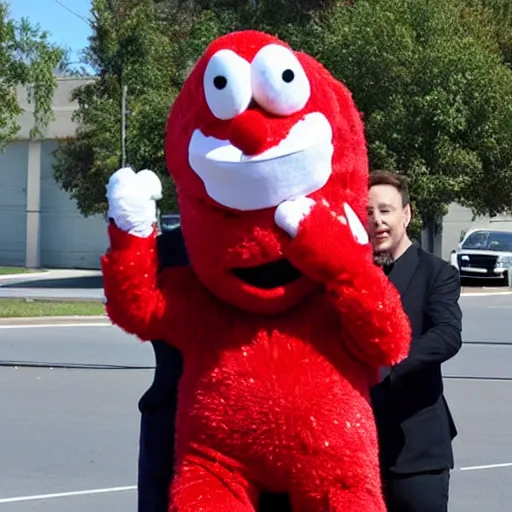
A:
<point x="484" y="253"/>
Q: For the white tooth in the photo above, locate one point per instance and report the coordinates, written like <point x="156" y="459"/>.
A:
<point x="355" y="225"/>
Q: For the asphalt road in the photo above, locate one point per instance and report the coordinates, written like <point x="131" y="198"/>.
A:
<point x="75" y="430"/>
<point x="73" y="346"/>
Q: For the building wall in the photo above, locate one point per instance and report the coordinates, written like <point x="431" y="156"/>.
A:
<point x="67" y="238"/>
<point x="40" y="225"/>
<point x="13" y="202"/>
<point x="63" y="108"/>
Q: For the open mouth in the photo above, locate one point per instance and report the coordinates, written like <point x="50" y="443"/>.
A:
<point x="269" y="275"/>
<point x="299" y="165"/>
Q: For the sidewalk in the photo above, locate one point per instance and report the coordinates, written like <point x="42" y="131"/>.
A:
<point x="483" y="290"/>
<point x="55" y="320"/>
<point x="62" y="285"/>
<point x="49" y="274"/>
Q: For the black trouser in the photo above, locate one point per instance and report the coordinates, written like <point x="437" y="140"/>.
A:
<point x="156" y="455"/>
<point x="156" y="444"/>
<point x="424" y="492"/>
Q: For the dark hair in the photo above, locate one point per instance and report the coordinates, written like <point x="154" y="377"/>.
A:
<point x="393" y="179"/>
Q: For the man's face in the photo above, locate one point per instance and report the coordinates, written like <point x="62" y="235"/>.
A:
<point x="387" y="218"/>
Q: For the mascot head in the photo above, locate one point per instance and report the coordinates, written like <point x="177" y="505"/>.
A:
<point x="256" y="124"/>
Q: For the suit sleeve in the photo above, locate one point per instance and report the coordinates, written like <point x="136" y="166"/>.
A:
<point x="443" y="340"/>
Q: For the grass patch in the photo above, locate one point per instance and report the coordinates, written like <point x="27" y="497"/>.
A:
<point x="7" y="271"/>
<point x="12" y="270"/>
<point x="17" y="308"/>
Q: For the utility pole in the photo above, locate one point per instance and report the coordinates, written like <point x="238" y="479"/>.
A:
<point x="124" y="90"/>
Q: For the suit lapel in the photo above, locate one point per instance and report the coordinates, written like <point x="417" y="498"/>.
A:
<point x="404" y="269"/>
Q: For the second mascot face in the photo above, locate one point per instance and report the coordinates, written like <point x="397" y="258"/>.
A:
<point x="254" y="125"/>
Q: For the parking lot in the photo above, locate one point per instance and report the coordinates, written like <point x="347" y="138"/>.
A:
<point x="69" y="435"/>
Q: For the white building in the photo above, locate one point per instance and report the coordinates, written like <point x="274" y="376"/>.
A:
<point x="40" y="225"/>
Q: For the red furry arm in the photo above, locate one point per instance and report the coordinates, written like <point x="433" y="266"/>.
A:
<point x="370" y="307"/>
<point x="372" y="314"/>
<point x="139" y="301"/>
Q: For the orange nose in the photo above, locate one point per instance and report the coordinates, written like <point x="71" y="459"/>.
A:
<point x="249" y="132"/>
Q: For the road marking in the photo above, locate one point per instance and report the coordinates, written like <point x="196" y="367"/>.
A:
<point x="127" y="488"/>
<point x="52" y="326"/>
<point x="488" y="466"/>
<point x="18" y="499"/>
<point x="500" y="380"/>
<point x="484" y="294"/>
<point x="89" y="492"/>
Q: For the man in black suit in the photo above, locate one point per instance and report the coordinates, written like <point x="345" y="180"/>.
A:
<point x="158" y="408"/>
<point x="414" y="422"/>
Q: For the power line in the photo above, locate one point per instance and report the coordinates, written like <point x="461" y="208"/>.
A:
<point x="72" y="12"/>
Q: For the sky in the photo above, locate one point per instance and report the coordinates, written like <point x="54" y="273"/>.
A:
<point x="68" y="29"/>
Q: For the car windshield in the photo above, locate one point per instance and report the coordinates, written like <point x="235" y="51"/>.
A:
<point x="169" y="222"/>
<point x="489" y="240"/>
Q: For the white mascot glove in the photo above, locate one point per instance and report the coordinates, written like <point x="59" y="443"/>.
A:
<point x="132" y="200"/>
<point x="289" y="214"/>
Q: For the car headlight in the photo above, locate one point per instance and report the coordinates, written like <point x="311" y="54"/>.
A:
<point x="504" y="261"/>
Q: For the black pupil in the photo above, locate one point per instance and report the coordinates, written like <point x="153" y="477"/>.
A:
<point x="220" y="82"/>
<point x="288" y="75"/>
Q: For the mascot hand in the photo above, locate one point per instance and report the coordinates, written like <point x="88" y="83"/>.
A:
<point x="132" y="200"/>
<point x="290" y="214"/>
<point x="325" y="243"/>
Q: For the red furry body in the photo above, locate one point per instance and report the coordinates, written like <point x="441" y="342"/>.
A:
<point x="275" y="390"/>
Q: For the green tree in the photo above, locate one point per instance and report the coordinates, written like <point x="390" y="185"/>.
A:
<point x="27" y="58"/>
<point x="127" y="48"/>
<point x="428" y="76"/>
<point x="435" y="95"/>
<point x="497" y="15"/>
<point x="149" y="47"/>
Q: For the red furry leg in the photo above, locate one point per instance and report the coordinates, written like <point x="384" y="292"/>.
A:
<point x="206" y="486"/>
<point x="339" y="498"/>
<point x="329" y="484"/>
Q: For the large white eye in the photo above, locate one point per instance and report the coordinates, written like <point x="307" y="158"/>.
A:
<point x="227" y="84"/>
<point x="279" y="82"/>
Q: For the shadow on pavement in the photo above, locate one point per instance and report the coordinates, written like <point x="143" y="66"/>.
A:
<point x="86" y="282"/>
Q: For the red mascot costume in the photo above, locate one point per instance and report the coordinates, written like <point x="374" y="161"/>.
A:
<point x="282" y="317"/>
